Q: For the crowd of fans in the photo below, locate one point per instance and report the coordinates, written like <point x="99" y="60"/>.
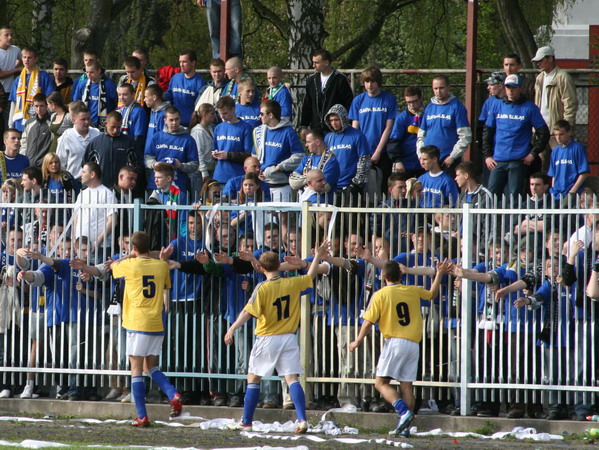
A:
<point x="97" y="145"/>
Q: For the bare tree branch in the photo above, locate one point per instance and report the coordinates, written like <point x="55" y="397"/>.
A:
<point x="360" y="43"/>
<point x="266" y="13"/>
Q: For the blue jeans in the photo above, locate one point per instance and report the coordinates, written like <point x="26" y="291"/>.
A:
<point x="508" y="177"/>
<point x="213" y="16"/>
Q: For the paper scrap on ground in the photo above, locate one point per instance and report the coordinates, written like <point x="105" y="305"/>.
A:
<point x="517" y="432"/>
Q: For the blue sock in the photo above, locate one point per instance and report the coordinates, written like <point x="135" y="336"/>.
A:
<point x="252" y="396"/>
<point x="400" y="407"/>
<point x="299" y="400"/>
<point x="163" y="383"/>
<point x="138" y="389"/>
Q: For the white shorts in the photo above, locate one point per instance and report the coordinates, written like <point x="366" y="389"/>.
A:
<point x="399" y="360"/>
<point x="281" y="194"/>
<point x="279" y="352"/>
<point x="139" y="344"/>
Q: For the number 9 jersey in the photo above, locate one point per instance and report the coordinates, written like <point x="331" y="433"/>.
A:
<point x="275" y="303"/>
<point x="143" y="301"/>
<point x="396" y="308"/>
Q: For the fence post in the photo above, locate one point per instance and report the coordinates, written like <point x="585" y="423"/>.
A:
<point x="466" y="307"/>
<point x="305" y="306"/>
<point x="137" y="212"/>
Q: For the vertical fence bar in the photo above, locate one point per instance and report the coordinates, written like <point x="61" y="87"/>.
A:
<point x="305" y="306"/>
<point x="466" y="362"/>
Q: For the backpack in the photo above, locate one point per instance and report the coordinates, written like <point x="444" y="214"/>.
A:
<point x="164" y="75"/>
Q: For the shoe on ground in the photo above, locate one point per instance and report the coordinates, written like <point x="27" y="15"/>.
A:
<point x="61" y="393"/>
<point x="235" y="401"/>
<point x="404" y="422"/>
<point x="113" y="394"/>
<point x="176" y="406"/>
<point x="141" y="423"/>
<point x="239" y="426"/>
<point x="406" y="433"/>
<point x="302" y="427"/>
<point x="28" y="391"/>
<point x="516" y="411"/>
<point x="557" y="415"/>
<point x="288" y="406"/>
<point x="488" y="410"/>
<point x="125" y="398"/>
<point x="535" y="411"/>
<point x="269" y="405"/>
<point x="456" y="412"/>
<point x="382" y="407"/>
<point x="475" y="408"/>
<point x="220" y="401"/>
<point x="5" y="393"/>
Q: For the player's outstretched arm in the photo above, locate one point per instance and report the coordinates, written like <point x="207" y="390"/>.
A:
<point x="364" y="331"/>
<point x="321" y="251"/>
<point x="244" y="316"/>
<point x="78" y="264"/>
<point x="443" y="268"/>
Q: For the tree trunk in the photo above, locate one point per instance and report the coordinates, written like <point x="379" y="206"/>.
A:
<point x="516" y="30"/>
<point x="97" y="29"/>
<point x="41" y="30"/>
<point x="306" y="34"/>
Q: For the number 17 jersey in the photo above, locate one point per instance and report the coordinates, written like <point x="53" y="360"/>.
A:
<point x="143" y="300"/>
<point x="397" y="310"/>
<point x="275" y="303"/>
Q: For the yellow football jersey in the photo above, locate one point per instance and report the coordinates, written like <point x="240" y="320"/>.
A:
<point x="275" y="303"/>
<point x="397" y="310"/>
<point x="143" y="299"/>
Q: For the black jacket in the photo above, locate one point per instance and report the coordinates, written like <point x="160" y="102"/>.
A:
<point x="112" y="153"/>
<point x="317" y="103"/>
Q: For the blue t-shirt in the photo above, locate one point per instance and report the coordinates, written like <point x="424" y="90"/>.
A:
<point x="186" y="286"/>
<point x="155" y="124"/>
<point x="183" y="92"/>
<point x="46" y="86"/>
<point x="441" y="123"/>
<point x="249" y="113"/>
<point x="231" y="137"/>
<point x="372" y="113"/>
<point x="15" y="166"/>
<point x="438" y="190"/>
<point x="348" y="146"/>
<point x="405" y="131"/>
<point x="283" y="98"/>
<point x="331" y="169"/>
<point x="279" y="145"/>
<point x="233" y="186"/>
<point x="513" y="125"/>
<point x="94" y="97"/>
<point x="488" y="107"/>
<point x="138" y="121"/>
<point x="566" y="164"/>
<point x="167" y="147"/>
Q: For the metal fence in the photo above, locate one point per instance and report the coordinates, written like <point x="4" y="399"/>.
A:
<point x="480" y="342"/>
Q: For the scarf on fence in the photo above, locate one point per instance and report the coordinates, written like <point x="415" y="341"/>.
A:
<point x="25" y="93"/>
<point x="272" y="91"/>
<point x="126" y="112"/>
<point x="102" y="99"/>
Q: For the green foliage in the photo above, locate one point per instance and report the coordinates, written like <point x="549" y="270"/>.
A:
<point x="425" y="34"/>
<point x="487" y="429"/>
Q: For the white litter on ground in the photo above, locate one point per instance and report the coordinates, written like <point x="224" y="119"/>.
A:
<point x="23" y="419"/>
<point x="517" y="432"/>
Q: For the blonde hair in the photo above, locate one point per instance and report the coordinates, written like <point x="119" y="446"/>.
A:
<point x="411" y="185"/>
<point x="46" y="175"/>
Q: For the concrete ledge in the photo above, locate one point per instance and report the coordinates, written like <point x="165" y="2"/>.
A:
<point x="363" y="421"/>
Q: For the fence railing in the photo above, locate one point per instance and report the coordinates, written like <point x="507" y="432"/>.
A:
<point x="480" y="342"/>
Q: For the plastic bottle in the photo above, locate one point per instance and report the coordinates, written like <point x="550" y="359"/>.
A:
<point x="594" y="418"/>
<point x="592" y="433"/>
